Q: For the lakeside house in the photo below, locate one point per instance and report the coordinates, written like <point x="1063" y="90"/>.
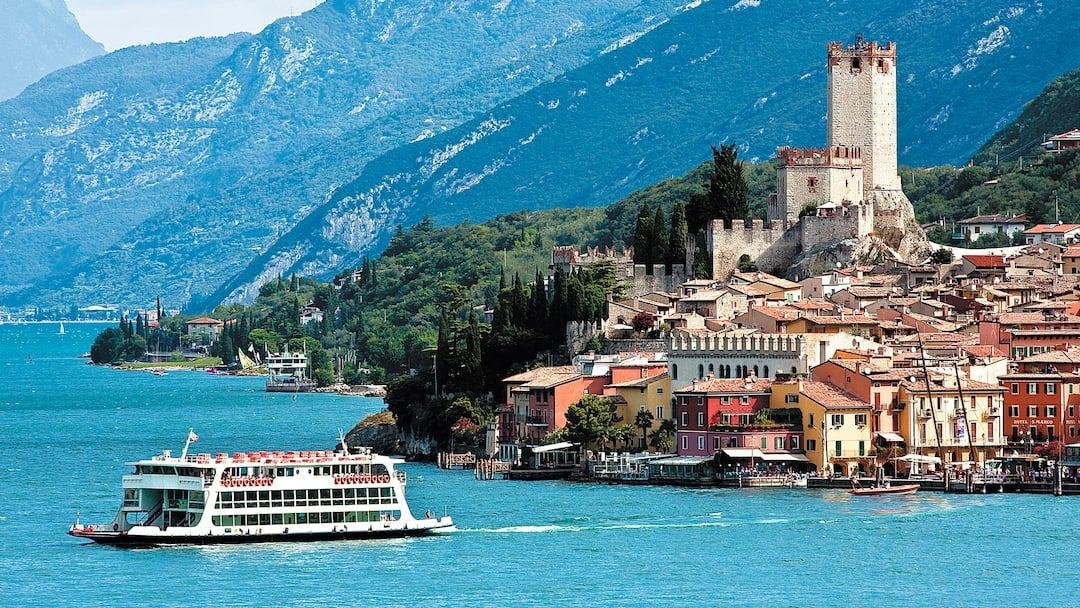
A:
<point x="206" y="327"/>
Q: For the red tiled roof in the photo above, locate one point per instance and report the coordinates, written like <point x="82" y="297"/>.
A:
<point x="719" y="385"/>
<point x="986" y="261"/>
<point x="204" y="321"/>
<point x="1051" y="228"/>
<point x="830" y="396"/>
<point x="544" y="377"/>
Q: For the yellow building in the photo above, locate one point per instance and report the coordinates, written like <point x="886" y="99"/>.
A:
<point x="652" y="394"/>
<point x="836" y="434"/>
<point x="967" y="422"/>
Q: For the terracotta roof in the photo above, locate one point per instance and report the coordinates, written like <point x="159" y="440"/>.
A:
<point x="545" y="377"/>
<point x="814" y="304"/>
<point x="841" y="319"/>
<point x="986" y="261"/>
<point x="830" y="396"/>
<point x="721" y="385"/>
<point x="1055" y="356"/>
<point x="1052" y="228"/>
<point x="204" y="321"/>
<point x="639" y="382"/>
<point x="1016" y="318"/>
<point x="983" y="351"/>
<point x="705" y="295"/>
<point x="780" y="313"/>
<point x="869" y="291"/>
<point x="996" y="218"/>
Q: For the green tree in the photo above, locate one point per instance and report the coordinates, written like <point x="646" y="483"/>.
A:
<point x="746" y="264"/>
<point x="676" y="250"/>
<point x="444" y="359"/>
<point x="645" y="238"/>
<point x="473" y="371"/>
<point x="727" y="197"/>
<point x="659" y="238"/>
<point x="941" y="256"/>
<point x="538" y="304"/>
<point x="663" y="437"/>
<point x="590" y="420"/>
<point x="644" y="421"/>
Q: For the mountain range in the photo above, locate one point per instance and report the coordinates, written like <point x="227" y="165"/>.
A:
<point x="289" y="151"/>
<point x="38" y="37"/>
<point x="167" y="167"/>
<point x="740" y="73"/>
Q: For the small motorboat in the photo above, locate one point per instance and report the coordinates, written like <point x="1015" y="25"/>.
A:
<point x="885" y="490"/>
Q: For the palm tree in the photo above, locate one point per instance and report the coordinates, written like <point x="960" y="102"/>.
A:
<point x="644" y="420"/>
<point x="662" y="438"/>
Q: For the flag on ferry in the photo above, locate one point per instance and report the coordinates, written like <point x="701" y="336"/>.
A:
<point x="192" y="437"/>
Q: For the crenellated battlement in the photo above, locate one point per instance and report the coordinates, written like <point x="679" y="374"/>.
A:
<point x="860" y="48"/>
<point x="835" y="156"/>
<point x="726" y="345"/>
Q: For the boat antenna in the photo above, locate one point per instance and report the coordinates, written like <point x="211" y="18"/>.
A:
<point x="341" y="439"/>
<point x="967" y="423"/>
<point x="191" y="436"/>
<point x="933" y="413"/>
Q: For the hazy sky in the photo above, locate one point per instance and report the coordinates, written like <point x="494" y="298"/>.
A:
<point x="120" y="23"/>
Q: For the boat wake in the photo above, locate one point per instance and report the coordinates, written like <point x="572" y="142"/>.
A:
<point x="560" y="528"/>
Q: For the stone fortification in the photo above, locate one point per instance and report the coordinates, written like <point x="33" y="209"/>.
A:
<point x="770" y="247"/>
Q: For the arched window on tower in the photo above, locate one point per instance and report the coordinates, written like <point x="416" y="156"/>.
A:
<point x="700" y="371"/>
<point x="674" y="371"/>
<point x="766" y="370"/>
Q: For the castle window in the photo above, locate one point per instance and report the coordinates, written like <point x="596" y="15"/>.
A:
<point x="811" y="184"/>
<point x="856" y="63"/>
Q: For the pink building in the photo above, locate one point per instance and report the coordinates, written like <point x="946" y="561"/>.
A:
<point x="714" y="414"/>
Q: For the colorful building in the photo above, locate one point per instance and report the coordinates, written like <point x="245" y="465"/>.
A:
<point x="836" y="425"/>
<point x="964" y="419"/>
<point x="651" y="393"/>
<point x="1041" y="407"/>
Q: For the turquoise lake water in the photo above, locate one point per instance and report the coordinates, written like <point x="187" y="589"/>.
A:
<point x="66" y="428"/>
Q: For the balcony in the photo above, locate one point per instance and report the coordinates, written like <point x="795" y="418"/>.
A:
<point x="535" y="421"/>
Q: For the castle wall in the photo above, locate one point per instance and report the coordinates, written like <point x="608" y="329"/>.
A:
<point x="800" y="185"/>
<point x="640" y="283"/>
<point x="772" y="247"/>
<point x="854" y="221"/>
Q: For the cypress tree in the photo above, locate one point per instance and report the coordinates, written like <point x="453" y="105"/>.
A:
<point x="676" y="251"/>
<point x="557" y="315"/>
<point x="660" y="237"/>
<point x="538" y="304"/>
<point x="442" y="352"/>
<point x="519" y="304"/>
<point x="644" y="237"/>
<point x="474" y="364"/>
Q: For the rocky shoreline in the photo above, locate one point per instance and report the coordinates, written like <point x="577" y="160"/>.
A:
<point x="379" y="432"/>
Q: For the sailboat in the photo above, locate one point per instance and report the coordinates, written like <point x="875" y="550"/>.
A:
<point x="62" y="332"/>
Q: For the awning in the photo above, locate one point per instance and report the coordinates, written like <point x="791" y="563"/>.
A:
<point x="920" y="459"/>
<point x="679" y="461"/>
<point x="890" y="437"/>
<point x="785" y="457"/>
<point x="551" y="447"/>
<point x="742" y="452"/>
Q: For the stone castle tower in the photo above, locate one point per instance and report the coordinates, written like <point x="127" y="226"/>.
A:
<point x="843" y="202"/>
<point x="862" y="114"/>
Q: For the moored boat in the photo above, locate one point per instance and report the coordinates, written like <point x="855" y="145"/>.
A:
<point x="262" y="496"/>
<point x="885" y="490"/>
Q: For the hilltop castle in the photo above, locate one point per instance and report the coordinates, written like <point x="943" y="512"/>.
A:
<point x="845" y="193"/>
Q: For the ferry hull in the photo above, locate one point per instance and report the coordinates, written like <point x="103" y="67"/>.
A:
<point x="119" y="539"/>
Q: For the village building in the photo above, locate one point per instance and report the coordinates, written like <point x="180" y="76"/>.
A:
<point x="650" y="393"/>
<point x="824" y="285"/>
<point x="1058" y="234"/>
<point x="974" y="227"/>
<point x="204" y="327"/>
<point x="964" y="418"/>
<point x="836" y="431"/>
<point x="311" y="314"/>
<point x="1062" y="142"/>
<point x="1041" y="407"/>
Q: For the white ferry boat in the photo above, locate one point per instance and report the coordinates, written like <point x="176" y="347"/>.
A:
<point x="262" y="496"/>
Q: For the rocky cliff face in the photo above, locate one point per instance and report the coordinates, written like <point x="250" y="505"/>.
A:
<point x="381" y="434"/>
<point x="38" y="37"/>
<point x="896" y="227"/>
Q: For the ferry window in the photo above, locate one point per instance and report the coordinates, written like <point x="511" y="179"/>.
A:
<point x="288" y="518"/>
<point x="276" y="519"/>
<point x="252" y="496"/>
<point x="264" y="495"/>
<point x="288" y="494"/>
<point x="350" y="517"/>
<point x="324" y="517"/>
<point x="301" y="518"/>
<point x="275" y="494"/>
<point x="324" y="493"/>
<point x="264" y="519"/>
<point x="251" y="520"/>
<point x="338" y="517"/>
